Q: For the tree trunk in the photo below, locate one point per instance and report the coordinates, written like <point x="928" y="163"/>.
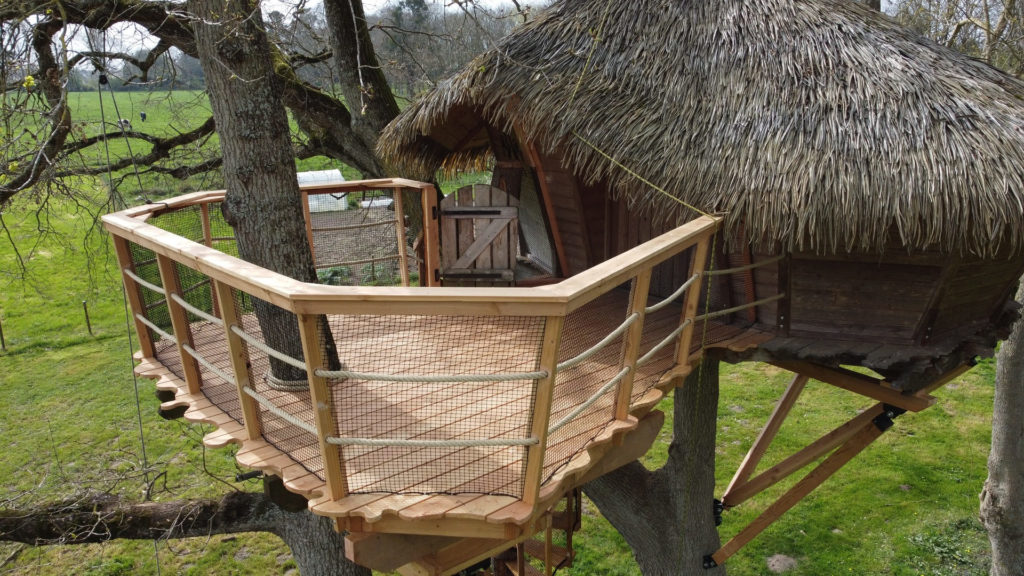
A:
<point x="667" y="516"/>
<point x="262" y="202"/>
<point x="317" y="548"/>
<point x="101" y="517"/>
<point x="1002" y="499"/>
<point x="362" y="80"/>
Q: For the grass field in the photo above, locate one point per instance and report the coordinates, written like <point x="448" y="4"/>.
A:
<point x="906" y="506"/>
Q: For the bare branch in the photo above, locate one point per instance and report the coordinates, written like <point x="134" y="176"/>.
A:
<point x="102" y="517"/>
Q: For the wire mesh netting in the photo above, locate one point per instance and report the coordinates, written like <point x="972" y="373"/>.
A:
<point x="284" y="386"/>
<point x="666" y="280"/>
<point x="574" y="386"/>
<point x="435" y="345"/>
<point x="154" y="305"/>
<point x="356" y="238"/>
<point x="208" y="340"/>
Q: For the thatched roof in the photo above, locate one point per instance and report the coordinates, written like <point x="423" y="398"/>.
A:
<point x="819" y="123"/>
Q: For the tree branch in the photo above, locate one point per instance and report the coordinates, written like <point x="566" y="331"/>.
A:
<point x="101" y="517"/>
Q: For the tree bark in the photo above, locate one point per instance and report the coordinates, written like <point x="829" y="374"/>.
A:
<point x="1002" y="499"/>
<point x="363" y="84"/>
<point x="667" y="516"/>
<point x="102" y="517"/>
<point x="317" y="548"/>
<point x="262" y="201"/>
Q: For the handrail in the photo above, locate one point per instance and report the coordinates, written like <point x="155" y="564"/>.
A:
<point x="310" y="298"/>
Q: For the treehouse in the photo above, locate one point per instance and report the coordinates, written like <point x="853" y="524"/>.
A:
<point x="800" y="183"/>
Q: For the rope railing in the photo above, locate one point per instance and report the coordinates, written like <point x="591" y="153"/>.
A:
<point x="201" y="313"/>
<point x="370" y="376"/>
<point x="751" y="266"/>
<point x="664" y="342"/>
<point x="728" y="311"/>
<point x="589" y="402"/>
<point x="155" y="328"/>
<point x="207" y="364"/>
<point x="263" y="347"/>
<point x="277" y="411"/>
<point x="413" y="443"/>
<point x="672" y="298"/>
<point x="138" y="280"/>
<point x="604" y="342"/>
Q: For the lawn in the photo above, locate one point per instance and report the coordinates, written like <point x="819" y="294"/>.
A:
<point x="906" y="506"/>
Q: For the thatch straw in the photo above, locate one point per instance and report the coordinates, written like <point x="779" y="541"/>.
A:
<point x="819" y="123"/>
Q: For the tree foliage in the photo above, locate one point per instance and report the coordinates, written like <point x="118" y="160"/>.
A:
<point x="991" y="30"/>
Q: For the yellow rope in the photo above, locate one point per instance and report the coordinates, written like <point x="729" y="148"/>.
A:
<point x="593" y="48"/>
<point x="637" y="176"/>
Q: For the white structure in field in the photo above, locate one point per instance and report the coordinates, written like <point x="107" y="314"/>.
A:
<point x="324" y="202"/>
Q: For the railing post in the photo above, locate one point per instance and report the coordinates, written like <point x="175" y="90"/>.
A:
<point x="542" y="408"/>
<point x="697" y="264"/>
<point x="308" y="216"/>
<point x="403" y="257"/>
<point x="135" y="302"/>
<point x="631" y="342"/>
<point x="179" y="320"/>
<point x="431" y="250"/>
<point x="239" y="356"/>
<point x="323" y="407"/>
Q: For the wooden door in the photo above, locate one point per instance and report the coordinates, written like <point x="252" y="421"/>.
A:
<point x="479" y="237"/>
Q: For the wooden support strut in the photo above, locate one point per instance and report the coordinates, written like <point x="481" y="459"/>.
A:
<point x="764" y="440"/>
<point x="239" y="355"/>
<point x="631" y="343"/>
<point x="431" y="252"/>
<point x="135" y="301"/>
<point x="179" y="321"/>
<point x="542" y="408"/>
<point x="859" y="384"/>
<point x="864" y="436"/>
<point x="323" y="411"/>
<point x="851" y="438"/>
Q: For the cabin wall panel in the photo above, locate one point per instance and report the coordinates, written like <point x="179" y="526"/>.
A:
<point x="974" y="292"/>
<point x="859" y="300"/>
<point x="565" y="201"/>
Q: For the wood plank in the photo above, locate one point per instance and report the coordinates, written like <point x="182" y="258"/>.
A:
<point x="805" y="456"/>
<point x="768" y="433"/>
<point x="388" y="552"/>
<point x="631" y="344"/>
<point x="855" y="445"/>
<point x="431" y="250"/>
<point x="239" y="357"/>
<point x="858" y="384"/>
<point x="179" y="320"/>
<point x="542" y="407"/>
<point x="334" y="470"/>
<point x="480" y="245"/>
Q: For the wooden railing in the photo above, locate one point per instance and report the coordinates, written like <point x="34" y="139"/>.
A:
<point x="139" y="241"/>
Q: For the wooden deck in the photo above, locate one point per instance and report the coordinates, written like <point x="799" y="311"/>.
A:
<point x="452" y="491"/>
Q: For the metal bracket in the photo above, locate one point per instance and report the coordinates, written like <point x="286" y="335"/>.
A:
<point x="884" y="421"/>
